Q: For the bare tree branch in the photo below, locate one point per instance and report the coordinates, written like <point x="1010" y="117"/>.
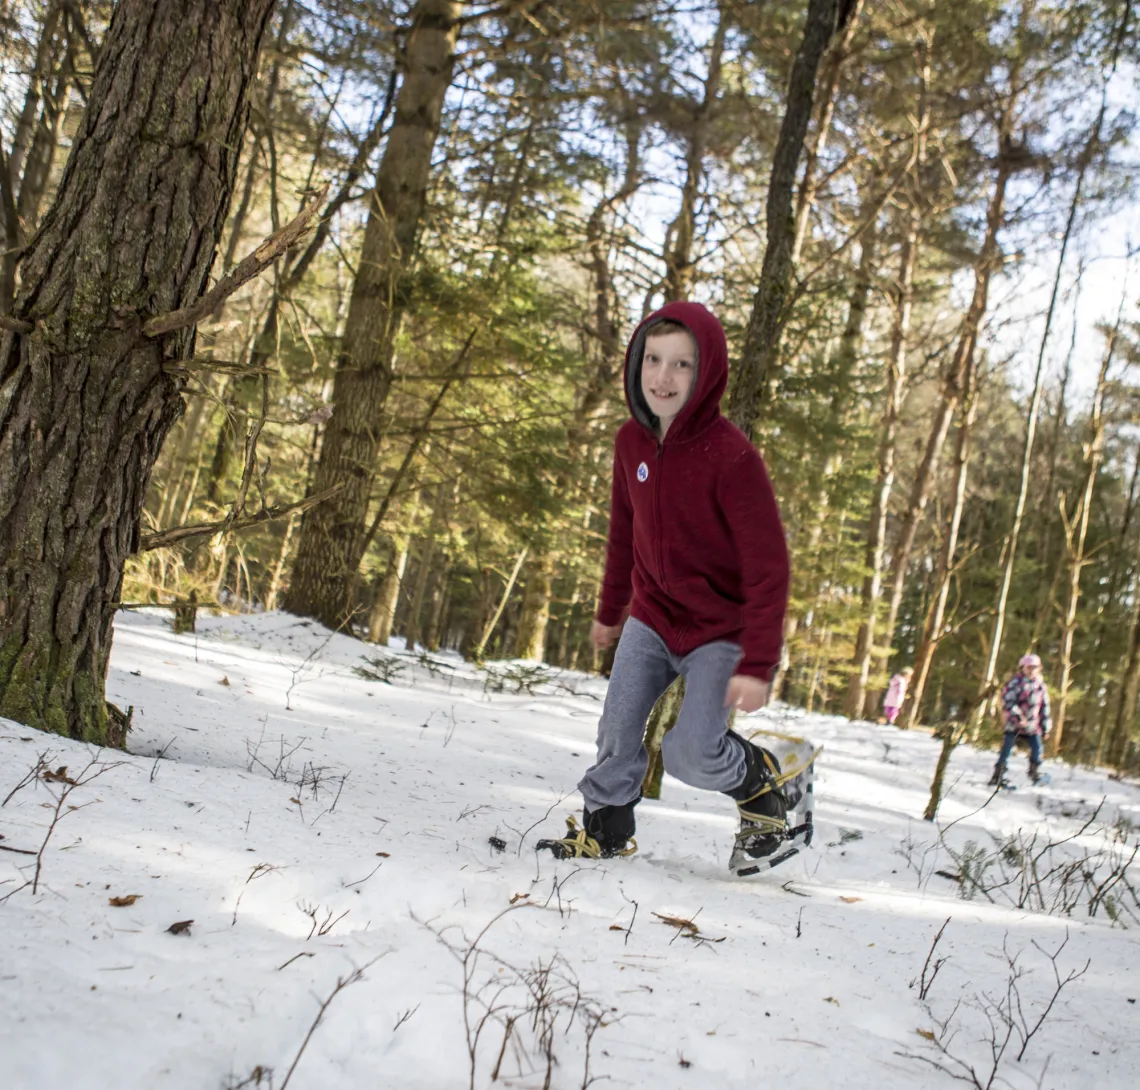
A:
<point x="250" y="266"/>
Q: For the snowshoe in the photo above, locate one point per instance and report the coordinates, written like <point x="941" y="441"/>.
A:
<point x="777" y="787"/>
<point x="604" y="833"/>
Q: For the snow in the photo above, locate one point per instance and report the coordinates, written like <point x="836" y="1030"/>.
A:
<point x="806" y="970"/>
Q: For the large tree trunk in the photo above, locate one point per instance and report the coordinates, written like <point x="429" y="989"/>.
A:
<point x="324" y="570"/>
<point x="86" y="400"/>
<point x="759" y="360"/>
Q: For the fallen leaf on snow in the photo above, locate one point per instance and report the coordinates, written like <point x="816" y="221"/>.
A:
<point x="616" y="927"/>
<point x="679" y="923"/>
<point x="385" y="855"/>
<point x="928" y="1034"/>
<point x="59" y="776"/>
<point x="519" y="897"/>
<point x="224" y="681"/>
<point x="850" y="900"/>
<point x="182" y="927"/>
<point x="831" y="999"/>
<point x="123" y="902"/>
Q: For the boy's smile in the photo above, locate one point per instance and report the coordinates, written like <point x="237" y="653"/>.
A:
<point x="668" y="368"/>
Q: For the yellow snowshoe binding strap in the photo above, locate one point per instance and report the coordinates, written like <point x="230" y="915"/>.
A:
<point x="578" y="844"/>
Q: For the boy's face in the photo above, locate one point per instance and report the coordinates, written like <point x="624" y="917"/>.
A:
<point x="667" y="372"/>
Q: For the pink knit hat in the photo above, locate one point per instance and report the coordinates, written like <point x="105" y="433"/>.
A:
<point x="1029" y="660"/>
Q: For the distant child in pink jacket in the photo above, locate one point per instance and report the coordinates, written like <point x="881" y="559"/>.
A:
<point x="896" y="693"/>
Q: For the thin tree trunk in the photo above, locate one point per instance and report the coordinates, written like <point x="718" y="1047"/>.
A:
<point x="1076" y="542"/>
<point x="1117" y="746"/>
<point x="856" y="697"/>
<point x="279" y="567"/>
<point x="832" y="68"/>
<point x="531" y="637"/>
<point x="87" y="400"/>
<point x="439" y="600"/>
<point x="1117" y="570"/>
<point x="323" y="571"/>
<point x="44" y="70"/>
<point x="45" y="142"/>
<point x="998" y="631"/>
<point x="661" y="721"/>
<point x="680" y="269"/>
<point x="427" y="555"/>
<point x="936" y="614"/>
<point x="383" y="615"/>
<point x="485" y="636"/>
<point x="760" y="358"/>
<point x="987" y="262"/>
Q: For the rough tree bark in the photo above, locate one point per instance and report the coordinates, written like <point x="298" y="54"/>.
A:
<point x="86" y="398"/>
<point x="759" y="359"/>
<point x="323" y="572"/>
<point x="829" y="84"/>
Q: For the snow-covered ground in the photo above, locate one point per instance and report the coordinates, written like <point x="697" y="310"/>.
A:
<point x="312" y="823"/>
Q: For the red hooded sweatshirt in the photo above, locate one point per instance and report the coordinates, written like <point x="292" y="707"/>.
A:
<point x="695" y="536"/>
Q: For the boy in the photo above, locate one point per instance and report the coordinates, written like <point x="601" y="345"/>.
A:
<point x="1025" y="705"/>
<point x="697" y="558"/>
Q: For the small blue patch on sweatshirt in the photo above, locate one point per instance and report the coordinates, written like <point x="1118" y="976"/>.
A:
<point x="643" y="472"/>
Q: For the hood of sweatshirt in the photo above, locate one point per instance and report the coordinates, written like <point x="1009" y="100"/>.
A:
<point x="703" y="406"/>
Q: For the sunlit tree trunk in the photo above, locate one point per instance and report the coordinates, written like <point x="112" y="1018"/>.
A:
<point x="936" y="614"/>
<point x="680" y="268"/>
<point x="988" y="260"/>
<point x="893" y="393"/>
<point x="324" y="570"/>
<point x="1075" y="539"/>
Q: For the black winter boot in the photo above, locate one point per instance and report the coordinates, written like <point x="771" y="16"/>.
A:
<point x="998" y="776"/>
<point x="763" y="806"/>
<point x="1034" y="772"/>
<point x="604" y="833"/>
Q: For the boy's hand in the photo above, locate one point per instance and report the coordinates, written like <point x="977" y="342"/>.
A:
<point x="603" y="635"/>
<point x="749" y="694"/>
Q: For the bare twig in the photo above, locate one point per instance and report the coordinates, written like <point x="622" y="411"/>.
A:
<point x="250" y="266"/>
<point x="924" y="984"/>
<point x="163" y="538"/>
<point x="342" y="982"/>
<point x="30" y="776"/>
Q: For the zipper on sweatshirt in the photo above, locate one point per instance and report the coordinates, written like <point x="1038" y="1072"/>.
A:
<point x="657" y="524"/>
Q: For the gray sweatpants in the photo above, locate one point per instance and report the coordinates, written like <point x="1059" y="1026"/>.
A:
<point x="696" y="751"/>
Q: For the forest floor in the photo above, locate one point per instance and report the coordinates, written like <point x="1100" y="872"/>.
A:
<point x="321" y="829"/>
